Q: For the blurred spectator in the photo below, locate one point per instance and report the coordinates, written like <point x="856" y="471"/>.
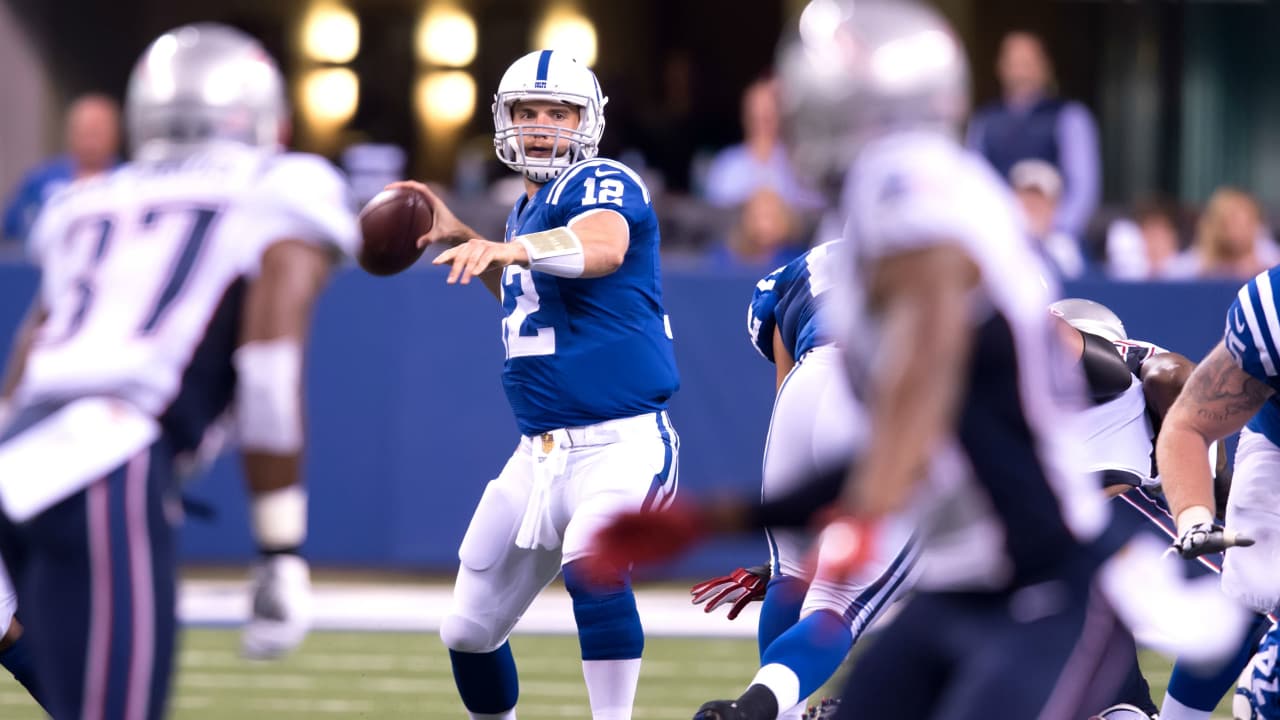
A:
<point x="766" y="236"/>
<point x="93" y="146"/>
<point x="1143" y="247"/>
<point x="1038" y="186"/>
<point x="1231" y="241"/>
<point x="372" y="166"/>
<point x="1029" y="122"/>
<point x="760" y="162"/>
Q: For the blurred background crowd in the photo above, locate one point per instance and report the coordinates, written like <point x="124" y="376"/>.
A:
<point x="1132" y="132"/>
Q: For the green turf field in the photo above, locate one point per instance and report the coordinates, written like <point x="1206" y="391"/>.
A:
<point x="406" y="675"/>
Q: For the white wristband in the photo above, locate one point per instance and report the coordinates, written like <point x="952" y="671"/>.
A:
<point x="557" y="251"/>
<point x="1192" y="516"/>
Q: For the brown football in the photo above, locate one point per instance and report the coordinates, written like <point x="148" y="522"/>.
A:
<point x="390" y="225"/>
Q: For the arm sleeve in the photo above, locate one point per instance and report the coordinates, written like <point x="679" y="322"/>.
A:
<point x="762" y="312"/>
<point x="797" y="508"/>
<point x="1105" y="369"/>
<point x="1078" y="139"/>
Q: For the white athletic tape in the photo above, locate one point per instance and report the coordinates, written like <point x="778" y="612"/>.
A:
<point x="268" y="405"/>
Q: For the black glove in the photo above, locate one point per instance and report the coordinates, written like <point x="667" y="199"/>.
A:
<point x="741" y="588"/>
<point x="1207" y="539"/>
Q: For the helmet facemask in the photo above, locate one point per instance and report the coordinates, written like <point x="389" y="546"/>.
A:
<point x="510" y="137"/>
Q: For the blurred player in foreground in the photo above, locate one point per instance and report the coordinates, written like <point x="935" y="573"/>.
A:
<point x="588" y="373"/>
<point x="173" y="289"/>
<point x="807" y="624"/>
<point x="1233" y="389"/>
<point x="970" y="396"/>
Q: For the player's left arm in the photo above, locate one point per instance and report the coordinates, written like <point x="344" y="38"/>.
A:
<point x="1218" y="399"/>
<point x="918" y="374"/>
<point x="269" y="398"/>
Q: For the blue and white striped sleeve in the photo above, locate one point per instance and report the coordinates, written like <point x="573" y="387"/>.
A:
<point x="762" y="312"/>
<point x="1253" y="327"/>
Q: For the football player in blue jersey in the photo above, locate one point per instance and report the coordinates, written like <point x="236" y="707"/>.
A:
<point x="807" y="624"/>
<point x="589" y="370"/>
<point x="1232" y="389"/>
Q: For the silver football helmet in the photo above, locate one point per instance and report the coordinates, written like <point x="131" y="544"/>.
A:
<point x="854" y="69"/>
<point x="556" y="76"/>
<point x="204" y="82"/>
<point x="1091" y="317"/>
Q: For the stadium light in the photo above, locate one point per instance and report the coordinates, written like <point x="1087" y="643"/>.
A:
<point x="446" y="36"/>
<point x="564" y="28"/>
<point x="329" y="96"/>
<point x="445" y="99"/>
<point x="330" y="33"/>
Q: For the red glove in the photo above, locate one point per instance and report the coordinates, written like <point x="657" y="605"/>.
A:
<point x="741" y="588"/>
<point x="641" y="538"/>
<point x="845" y="544"/>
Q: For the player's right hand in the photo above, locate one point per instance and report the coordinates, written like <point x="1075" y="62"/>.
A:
<point x="741" y="588"/>
<point x="1206" y="539"/>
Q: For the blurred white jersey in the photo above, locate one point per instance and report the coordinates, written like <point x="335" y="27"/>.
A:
<point x="1006" y="477"/>
<point x="144" y="271"/>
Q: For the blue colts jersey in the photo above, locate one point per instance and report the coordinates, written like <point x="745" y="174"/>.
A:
<point x="788" y="299"/>
<point x="1253" y="329"/>
<point x="585" y="350"/>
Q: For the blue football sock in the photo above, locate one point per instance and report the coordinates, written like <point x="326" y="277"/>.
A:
<point x="17" y="660"/>
<point x="486" y="682"/>
<point x="1202" y="689"/>
<point x="813" y="649"/>
<point x="608" y="622"/>
<point x="781" y="609"/>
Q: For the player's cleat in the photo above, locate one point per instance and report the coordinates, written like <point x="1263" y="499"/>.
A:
<point x="825" y="710"/>
<point x="281" y="614"/>
<point x="1123" y="711"/>
<point x="1257" y="694"/>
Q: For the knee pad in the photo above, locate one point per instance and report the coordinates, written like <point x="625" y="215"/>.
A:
<point x="462" y="634"/>
<point x="608" y="622"/>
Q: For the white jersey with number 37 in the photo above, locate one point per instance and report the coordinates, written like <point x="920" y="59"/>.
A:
<point x="142" y="270"/>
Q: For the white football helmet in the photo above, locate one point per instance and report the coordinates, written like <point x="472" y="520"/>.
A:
<point x="556" y="76"/>
<point x="1091" y="317"/>
<point x="202" y="82"/>
<point x="855" y="69"/>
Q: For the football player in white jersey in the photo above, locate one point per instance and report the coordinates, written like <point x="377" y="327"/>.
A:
<point x="589" y="370"/>
<point x="174" y="289"/>
<point x="969" y="393"/>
